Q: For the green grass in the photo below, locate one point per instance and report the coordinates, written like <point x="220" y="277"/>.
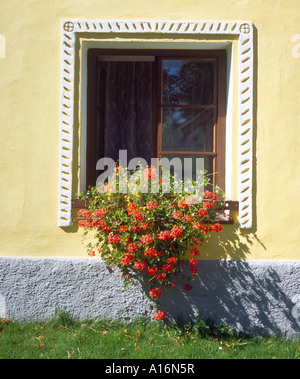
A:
<point x="65" y="338"/>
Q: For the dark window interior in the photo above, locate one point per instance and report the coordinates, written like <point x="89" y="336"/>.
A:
<point x="157" y="103"/>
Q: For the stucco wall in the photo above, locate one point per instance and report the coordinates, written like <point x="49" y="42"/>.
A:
<point x="30" y="70"/>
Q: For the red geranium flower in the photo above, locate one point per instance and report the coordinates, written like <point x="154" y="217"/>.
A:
<point x="187" y="287"/>
<point x="161" y="277"/>
<point x="164" y="236"/>
<point x="132" y="247"/>
<point x="193" y="261"/>
<point x="126" y="259"/>
<point x="149" y="173"/>
<point x="145" y="225"/>
<point x="207" y="204"/>
<point x="155" y="292"/>
<point x="136" y="229"/>
<point x="216" y="227"/>
<point x="114" y="239"/>
<point x="151" y="270"/>
<point x="151" y="205"/>
<point x="198" y="225"/>
<point x="177" y="215"/>
<point x="159" y="315"/>
<point x="84" y="213"/>
<point x="202" y="212"/>
<point x="210" y="195"/>
<point x="182" y="204"/>
<point x="87" y="223"/>
<point x="188" y="218"/>
<point x="139" y="265"/>
<point x="147" y="238"/>
<point x="138" y="215"/>
<point x="176" y="231"/>
<point x="91" y="253"/>
<point x="151" y="252"/>
<point x="167" y="268"/>
<point x="172" y="261"/>
<point x="194" y="252"/>
<point x="131" y="209"/>
<point x="99" y="224"/>
<point x="197" y="241"/>
<point x="100" y="212"/>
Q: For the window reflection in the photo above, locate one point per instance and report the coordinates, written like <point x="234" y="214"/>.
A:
<point x="188" y="82"/>
<point x="186" y="129"/>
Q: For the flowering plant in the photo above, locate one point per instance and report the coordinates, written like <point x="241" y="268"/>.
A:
<point x="146" y="231"/>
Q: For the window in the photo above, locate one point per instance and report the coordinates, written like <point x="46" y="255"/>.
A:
<point x="157" y="104"/>
<point x="80" y="36"/>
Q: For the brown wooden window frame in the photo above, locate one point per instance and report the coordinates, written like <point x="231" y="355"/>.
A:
<point x="217" y="56"/>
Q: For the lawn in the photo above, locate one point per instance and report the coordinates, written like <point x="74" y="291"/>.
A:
<point x="65" y="338"/>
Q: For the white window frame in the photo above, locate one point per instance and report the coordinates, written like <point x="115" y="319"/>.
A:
<point x="241" y="30"/>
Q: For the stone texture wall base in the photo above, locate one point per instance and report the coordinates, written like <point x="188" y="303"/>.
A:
<point x="254" y="296"/>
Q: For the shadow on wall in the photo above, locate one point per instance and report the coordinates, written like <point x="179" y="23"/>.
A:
<point x="251" y="296"/>
<point x="232" y="243"/>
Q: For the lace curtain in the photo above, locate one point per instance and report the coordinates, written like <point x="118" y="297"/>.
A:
<point x="125" y="110"/>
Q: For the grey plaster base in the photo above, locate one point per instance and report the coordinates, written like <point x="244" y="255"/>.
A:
<point x="261" y="297"/>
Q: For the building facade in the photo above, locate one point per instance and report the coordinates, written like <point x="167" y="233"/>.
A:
<point x="52" y="54"/>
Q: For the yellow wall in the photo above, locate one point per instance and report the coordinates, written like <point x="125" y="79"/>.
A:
<point x="30" y="73"/>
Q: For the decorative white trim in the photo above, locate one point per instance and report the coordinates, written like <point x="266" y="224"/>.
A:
<point x="244" y="32"/>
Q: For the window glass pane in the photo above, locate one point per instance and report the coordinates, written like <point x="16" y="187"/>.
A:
<point x="188" y="82"/>
<point x="187" y="129"/>
<point x="188" y="168"/>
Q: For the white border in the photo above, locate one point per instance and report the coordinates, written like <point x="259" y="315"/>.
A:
<point x="244" y="32"/>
